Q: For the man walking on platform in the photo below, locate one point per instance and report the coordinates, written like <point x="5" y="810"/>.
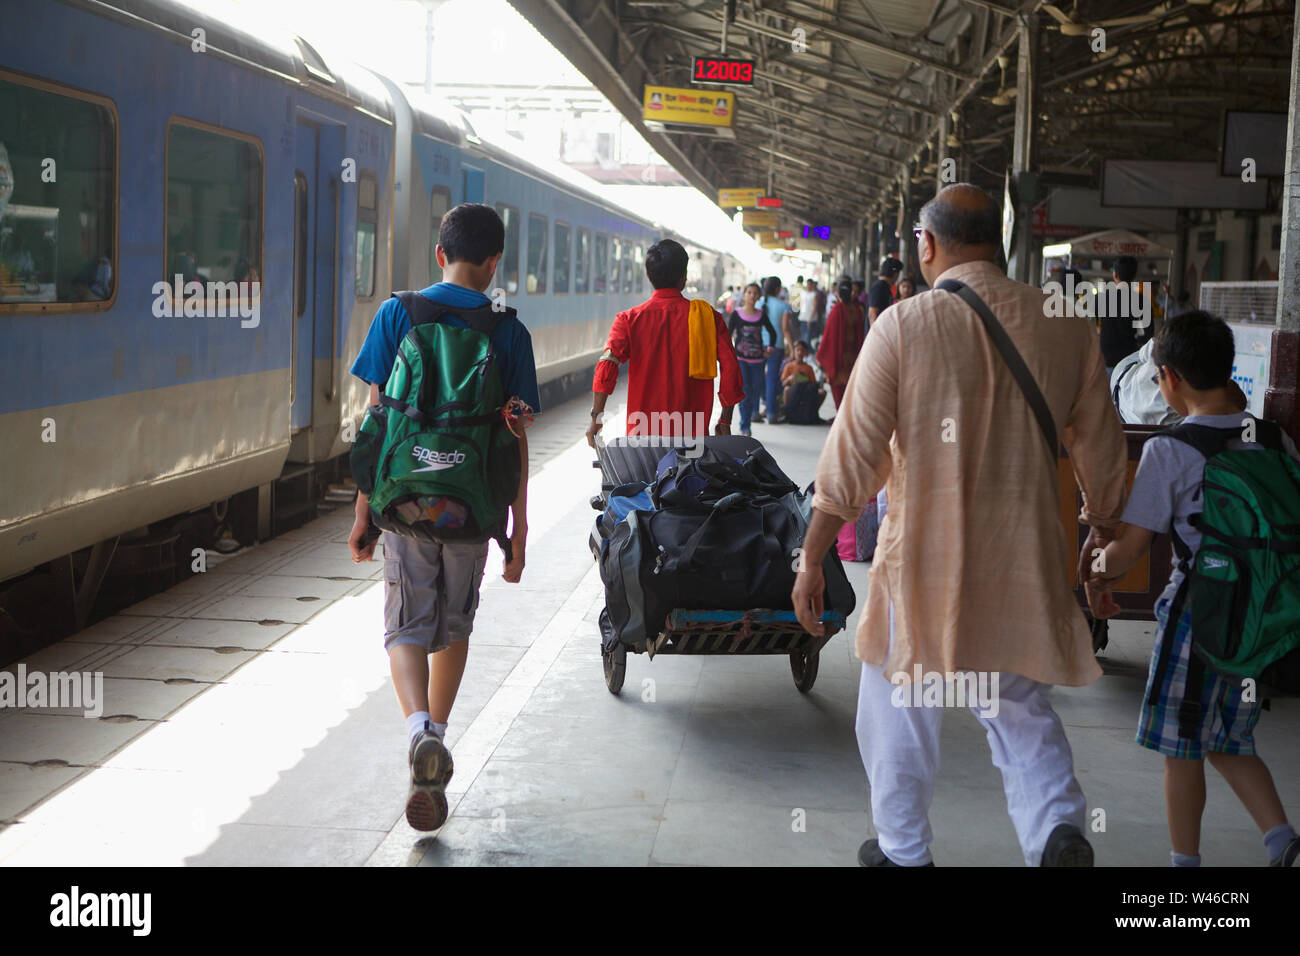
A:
<point x="674" y="349"/>
<point x="972" y="487"/>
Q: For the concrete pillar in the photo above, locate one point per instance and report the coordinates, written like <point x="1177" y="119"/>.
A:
<point x="905" y="224"/>
<point x="1020" y="266"/>
<point x="1280" y="396"/>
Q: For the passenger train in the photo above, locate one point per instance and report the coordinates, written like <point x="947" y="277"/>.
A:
<point x="157" y="162"/>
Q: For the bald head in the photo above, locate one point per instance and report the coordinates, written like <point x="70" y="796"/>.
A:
<point x="962" y="224"/>
<point x="964" y="215"/>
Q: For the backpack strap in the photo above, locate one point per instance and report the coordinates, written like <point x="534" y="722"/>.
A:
<point x="1206" y="439"/>
<point x="422" y="309"/>
<point x="1011" y="355"/>
<point x="1119" y="383"/>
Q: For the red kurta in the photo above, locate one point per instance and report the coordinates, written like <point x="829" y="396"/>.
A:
<point x="662" y="398"/>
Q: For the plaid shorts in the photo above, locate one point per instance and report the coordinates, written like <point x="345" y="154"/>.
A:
<point x="1227" y="722"/>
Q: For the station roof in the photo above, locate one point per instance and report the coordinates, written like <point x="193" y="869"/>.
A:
<point x="838" y="113"/>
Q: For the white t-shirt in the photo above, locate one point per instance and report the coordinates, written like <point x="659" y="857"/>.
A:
<point x="808" y="307"/>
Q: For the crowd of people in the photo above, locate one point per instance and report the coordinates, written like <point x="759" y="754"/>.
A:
<point x="796" y="343"/>
<point x="958" y="402"/>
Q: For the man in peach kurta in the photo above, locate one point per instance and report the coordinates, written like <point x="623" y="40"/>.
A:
<point x="972" y="570"/>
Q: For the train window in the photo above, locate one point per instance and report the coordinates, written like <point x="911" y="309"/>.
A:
<point x="508" y="267"/>
<point x="439" y="203"/>
<point x="627" y="267"/>
<point x="213" y="221"/>
<point x="638" y="268"/>
<point x="582" y="261"/>
<point x="600" y="259"/>
<point x="367" y="224"/>
<point x="561" y="258"/>
<point x="538" y="227"/>
<point x="299" y="242"/>
<point x="615" y="264"/>
<point x="58" y="203"/>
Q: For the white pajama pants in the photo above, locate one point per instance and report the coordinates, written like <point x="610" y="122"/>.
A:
<point x="900" y="751"/>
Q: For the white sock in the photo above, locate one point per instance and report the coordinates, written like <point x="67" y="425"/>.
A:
<point x="415" y="724"/>
<point x="440" y="730"/>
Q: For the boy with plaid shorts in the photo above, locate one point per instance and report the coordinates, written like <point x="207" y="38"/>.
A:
<point x="1194" y="355"/>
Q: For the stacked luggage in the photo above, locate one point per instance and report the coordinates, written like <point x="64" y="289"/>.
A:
<point x="704" y="542"/>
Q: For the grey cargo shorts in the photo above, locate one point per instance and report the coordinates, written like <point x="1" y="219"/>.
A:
<point x="430" y="591"/>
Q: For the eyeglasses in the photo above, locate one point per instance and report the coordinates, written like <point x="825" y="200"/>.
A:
<point x="917" y="230"/>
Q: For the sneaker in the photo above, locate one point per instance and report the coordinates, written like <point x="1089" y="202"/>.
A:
<point x="870" y="854"/>
<point x="431" y="769"/>
<point x="1067" y="847"/>
<point x="1289" y="854"/>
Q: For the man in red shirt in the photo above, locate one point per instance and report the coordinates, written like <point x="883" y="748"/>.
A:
<point x="654" y="339"/>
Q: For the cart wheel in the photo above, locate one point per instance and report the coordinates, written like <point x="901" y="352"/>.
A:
<point x="615" y="667"/>
<point x="803" y="665"/>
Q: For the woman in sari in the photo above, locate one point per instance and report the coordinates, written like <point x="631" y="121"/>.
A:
<point x="842" y="340"/>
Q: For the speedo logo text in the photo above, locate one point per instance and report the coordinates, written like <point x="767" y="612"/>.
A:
<point x="436" y="460"/>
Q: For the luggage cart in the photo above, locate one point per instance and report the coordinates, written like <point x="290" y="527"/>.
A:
<point x="754" y="631"/>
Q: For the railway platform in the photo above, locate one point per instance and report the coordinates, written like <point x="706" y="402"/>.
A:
<point x="248" y="718"/>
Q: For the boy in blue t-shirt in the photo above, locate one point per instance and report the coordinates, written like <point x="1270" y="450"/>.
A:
<point x="1193" y="354"/>
<point x="431" y="590"/>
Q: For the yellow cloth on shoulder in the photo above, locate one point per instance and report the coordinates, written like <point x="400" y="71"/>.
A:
<point x="703" y="340"/>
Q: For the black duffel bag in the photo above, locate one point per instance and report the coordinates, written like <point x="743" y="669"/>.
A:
<point x="699" y="481"/>
<point x="740" y="554"/>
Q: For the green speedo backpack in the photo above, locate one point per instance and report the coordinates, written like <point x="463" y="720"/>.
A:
<point x="1244" y="583"/>
<point x="436" y="457"/>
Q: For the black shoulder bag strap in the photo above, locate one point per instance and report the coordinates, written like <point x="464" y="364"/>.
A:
<point x="1007" y="349"/>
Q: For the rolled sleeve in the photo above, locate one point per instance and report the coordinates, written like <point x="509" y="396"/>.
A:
<point x="856" y="462"/>
<point x="618" y="346"/>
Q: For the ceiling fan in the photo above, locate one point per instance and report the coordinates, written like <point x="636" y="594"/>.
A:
<point x="1072" y="26"/>
<point x="1005" y="94"/>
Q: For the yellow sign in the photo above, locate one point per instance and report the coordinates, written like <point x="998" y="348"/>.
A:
<point x="769" y="240"/>
<point x="745" y="198"/>
<point x="668" y="104"/>
<point x="754" y="219"/>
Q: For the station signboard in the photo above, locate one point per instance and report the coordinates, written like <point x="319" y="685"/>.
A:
<point x="740" y="198"/>
<point x="721" y="69"/>
<point x="667" y="104"/>
<point x="760" y="219"/>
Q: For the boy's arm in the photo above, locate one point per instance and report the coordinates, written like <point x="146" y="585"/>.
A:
<point x="514" y="568"/>
<point x="1111" y="564"/>
<point x="362" y="549"/>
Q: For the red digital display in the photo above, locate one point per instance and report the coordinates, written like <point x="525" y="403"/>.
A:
<point x="769" y="202"/>
<point x="708" y="69"/>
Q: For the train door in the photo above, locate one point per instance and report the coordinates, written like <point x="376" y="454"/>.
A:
<point x="305" y="179"/>
<point x="315" y="216"/>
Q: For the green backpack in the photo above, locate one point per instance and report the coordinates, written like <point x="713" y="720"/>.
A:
<point x="436" y="457"/>
<point x="1244" y="583"/>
